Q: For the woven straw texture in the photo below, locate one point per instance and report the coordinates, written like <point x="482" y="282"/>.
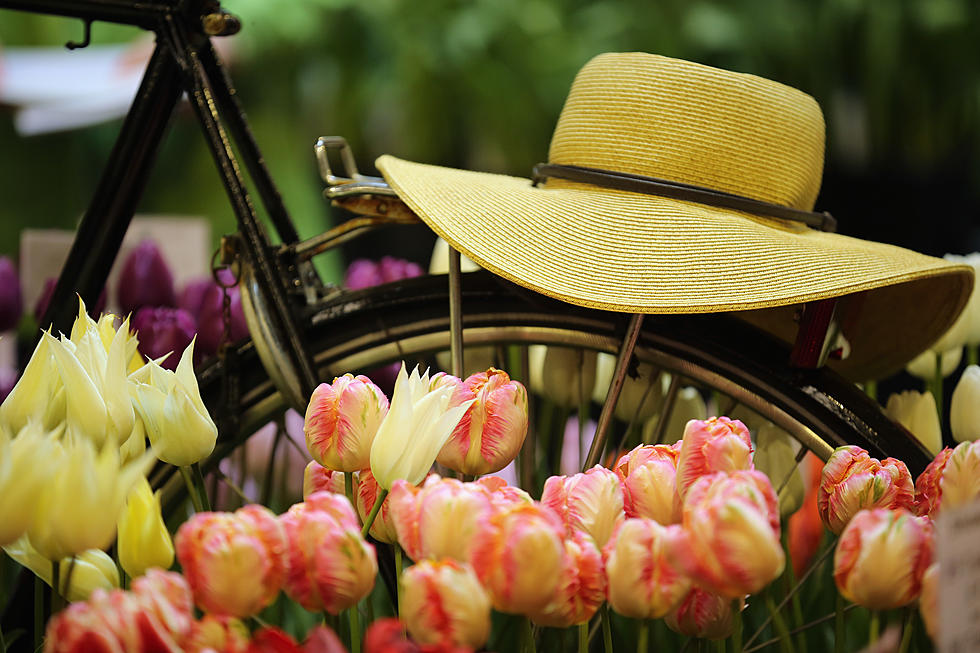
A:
<point x="632" y="252"/>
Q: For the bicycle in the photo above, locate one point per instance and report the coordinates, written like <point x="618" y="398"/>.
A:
<point x="304" y="331"/>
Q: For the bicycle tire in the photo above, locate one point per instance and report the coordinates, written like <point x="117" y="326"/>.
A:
<point x="364" y="329"/>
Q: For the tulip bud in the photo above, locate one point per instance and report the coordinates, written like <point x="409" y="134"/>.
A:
<point x="163" y="330"/>
<point x="775" y="457"/>
<point x="960" y="481"/>
<point x="643" y="582"/>
<point x="971" y="312"/>
<point x="235" y="563"/>
<point x="211" y="317"/>
<point x="730" y="540"/>
<point x="177" y="422"/>
<point x="916" y="411"/>
<point x="443" y="602"/>
<point x="143" y="540"/>
<point x="91" y="570"/>
<point x="703" y="615"/>
<point x="439" y="520"/>
<point x="928" y="491"/>
<point x="492" y="430"/>
<point x="582" y="587"/>
<point x="648" y="474"/>
<point x="881" y="557"/>
<point x="964" y="414"/>
<point x="929" y="601"/>
<point x="342" y="420"/>
<point x="383" y="528"/>
<point x="439" y="262"/>
<point x="642" y="393"/>
<point x="317" y="478"/>
<point x="419" y="422"/>
<point x="688" y="405"/>
<point x="145" y="279"/>
<point x="923" y="366"/>
<point x="563" y="375"/>
<point x="591" y="502"/>
<point x="26" y="464"/>
<point x="717" y="444"/>
<point x="852" y="480"/>
<point x="520" y="557"/>
<point x="330" y="565"/>
<point x="11" y="302"/>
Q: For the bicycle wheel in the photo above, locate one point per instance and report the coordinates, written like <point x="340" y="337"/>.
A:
<point x="408" y="320"/>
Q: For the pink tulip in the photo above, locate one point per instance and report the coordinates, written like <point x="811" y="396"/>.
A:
<point x="211" y="633"/>
<point x="717" y="444"/>
<point x="383" y="528"/>
<point x="648" y="474"/>
<point x="443" y="602"/>
<point x="929" y="601"/>
<point x="342" y="420"/>
<point x="317" y="478"/>
<point x="330" y="567"/>
<point x="492" y="430"/>
<point x="591" y="502"/>
<point x="234" y="562"/>
<point x="643" y="581"/>
<point x="582" y="587"/>
<point x="928" y="491"/>
<point x="881" y="557"/>
<point x="702" y="614"/>
<point x="852" y="480"/>
<point x="960" y="482"/>
<point x="439" y="520"/>
<point x="730" y="539"/>
<point x="520" y="557"/>
<point x="155" y="616"/>
<point x="503" y="495"/>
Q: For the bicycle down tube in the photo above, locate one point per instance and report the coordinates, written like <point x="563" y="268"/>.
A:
<point x="183" y="62"/>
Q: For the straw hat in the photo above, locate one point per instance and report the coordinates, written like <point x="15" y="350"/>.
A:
<point x="673" y="187"/>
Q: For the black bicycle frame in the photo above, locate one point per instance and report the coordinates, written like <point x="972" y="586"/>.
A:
<point x="183" y="61"/>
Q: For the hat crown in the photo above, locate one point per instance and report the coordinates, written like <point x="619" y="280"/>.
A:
<point x="659" y="117"/>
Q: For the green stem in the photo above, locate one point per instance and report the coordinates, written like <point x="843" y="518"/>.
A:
<point x="57" y="600"/>
<point x="185" y="473"/>
<point x="375" y="509"/>
<point x="871" y="389"/>
<point x="874" y="626"/>
<point x="71" y="571"/>
<point x="907" y="630"/>
<point x="398" y="577"/>
<point x="39" y="614"/>
<point x="839" y="634"/>
<point x="785" y="643"/>
<point x="971" y="354"/>
<point x="643" y="636"/>
<point x="202" y="493"/>
<point x="606" y="629"/>
<point x="355" y="630"/>
<point x="528" y="636"/>
<point x="583" y="637"/>
<point x="720" y="645"/>
<point x="349" y="489"/>
<point x="937" y="386"/>
<point x="737" y="623"/>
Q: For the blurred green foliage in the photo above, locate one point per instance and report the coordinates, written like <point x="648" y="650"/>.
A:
<point x="479" y="84"/>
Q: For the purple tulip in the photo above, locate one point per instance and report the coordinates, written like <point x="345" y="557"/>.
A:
<point x="145" y="279"/>
<point x="45" y="298"/>
<point x="364" y="273"/>
<point x="211" y="319"/>
<point x="162" y="329"/>
<point x="8" y="378"/>
<point x="11" y="300"/>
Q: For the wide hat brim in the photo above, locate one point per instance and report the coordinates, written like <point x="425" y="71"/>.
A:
<point x="638" y="253"/>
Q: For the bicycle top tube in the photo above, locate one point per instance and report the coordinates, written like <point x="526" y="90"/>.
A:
<point x="141" y="13"/>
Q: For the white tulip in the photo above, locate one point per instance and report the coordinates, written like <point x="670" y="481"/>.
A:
<point x="923" y="366"/>
<point x="564" y="375"/>
<point x="964" y="412"/>
<point x="972" y="311"/>
<point x="418" y="424"/>
<point x="439" y="263"/>
<point x="688" y="405"/>
<point x="640" y="398"/>
<point x="916" y="411"/>
<point x="775" y="456"/>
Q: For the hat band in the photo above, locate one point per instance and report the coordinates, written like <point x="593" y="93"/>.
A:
<point x="681" y="191"/>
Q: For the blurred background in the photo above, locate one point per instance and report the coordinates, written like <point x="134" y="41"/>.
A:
<point x="479" y="84"/>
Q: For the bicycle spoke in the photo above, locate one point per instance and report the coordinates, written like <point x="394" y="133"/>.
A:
<point x="455" y="314"/>
<point x="615" y="387"/>
<point x="668" y="408"/>
<point x="796" y="631"/>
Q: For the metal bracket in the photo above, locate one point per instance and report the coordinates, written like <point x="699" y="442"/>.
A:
<point x="86" y="38"/>
<point x="349" y="181"/>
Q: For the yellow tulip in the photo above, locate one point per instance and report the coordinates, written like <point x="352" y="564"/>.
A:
<point x="91" y="570"/>
<point x="178" y="424"/>
<point x="143" y="540"/>
<point x="25" y="466"/>
<point x="38" y="394"/>
<point x="77" y="508"/>
<point x="418" y="424"/>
